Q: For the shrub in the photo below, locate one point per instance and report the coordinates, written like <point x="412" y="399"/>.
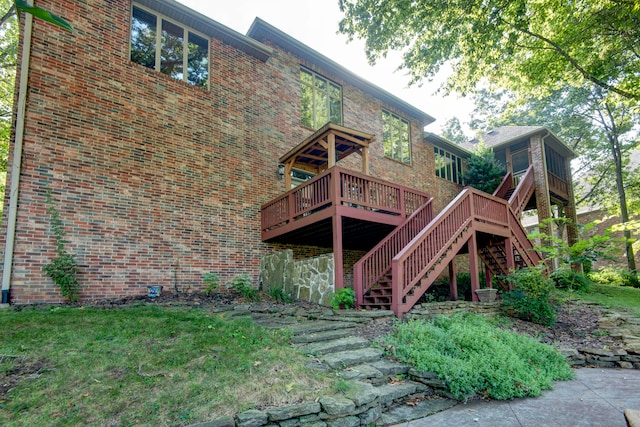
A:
<point x="244" y="286"/>
<point x="212" y="282"/>
<point x="615" y="276"/>
<point x="279" y="294"/>
<point x="473" y="357"/>
<point x="343" y="298"/>
<point x="530" y="297"/>
<point x="565" y="278"/>
<point x="440" y="291"/>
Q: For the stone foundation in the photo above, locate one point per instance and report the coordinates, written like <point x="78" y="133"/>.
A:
<point x="310" y="279"/>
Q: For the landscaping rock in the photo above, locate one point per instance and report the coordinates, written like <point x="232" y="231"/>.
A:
<point x="361" y="393"/>
<point x="293" y="411"/>
<point x="424" y="408"/>
<point x="345" y="359"/>
<point x="390" y="392"/>
<point x="360" y="372"/>
<point x="333" y="346"/>
<point x="351" y="421"/>
<point x="337" y="405"/>
<point x="218" y="422"/>
<point x="252" y="418"/>
<point x="633" y="417"/>
<point x="370" y="416"/>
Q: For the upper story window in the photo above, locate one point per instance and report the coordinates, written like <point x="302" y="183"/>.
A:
<point x="169" y="47"/>
<point x="448" y="166"/>
<point x="320" y="100"/>
<point x="396" y="138"/>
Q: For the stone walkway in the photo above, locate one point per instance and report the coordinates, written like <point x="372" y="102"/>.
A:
<point x="381" y="392"/>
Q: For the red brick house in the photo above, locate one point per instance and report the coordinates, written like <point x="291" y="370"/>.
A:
<point x="170" y="144"/>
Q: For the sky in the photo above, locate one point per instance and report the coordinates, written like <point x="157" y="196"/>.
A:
<point x="315" y="23"/>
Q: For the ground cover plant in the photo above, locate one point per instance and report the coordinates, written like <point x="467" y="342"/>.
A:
<point x="475" y="357"/>
<point x="143" y="365"/>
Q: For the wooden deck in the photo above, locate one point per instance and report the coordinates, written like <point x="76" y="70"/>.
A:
<point x="369" y="208"/>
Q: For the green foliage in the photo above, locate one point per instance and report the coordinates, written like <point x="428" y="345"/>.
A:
<point x="530" y="297"/>
<point x="43" y="14"/>
<point x="483" y="171"/>
<point x="565" y="278"/>
<point x="212" y="283"/>
<point x="440" y="290"/>
<point x="63" y="269"/>
<point x="474" y="357"/>
<point x="623" y="298"/>
<point x="343" y="298"/>
<point x="279" y="294"/>
<point x="614" y="276"/>
<point x="525" y="46"/>
<point x="244" y="286"/>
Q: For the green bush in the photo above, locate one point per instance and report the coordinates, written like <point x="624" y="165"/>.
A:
<point x="615" y="276"/>
<point x="244" y="286"/>
<point x="343" y="298"/>
<point x="474" y="357"/>
<point x="212" y="283"/>
<point x="279" y="294"/>
<point x="530" y="297"/>
<point x="565" y="278"/>
<point x="440" y="291"/>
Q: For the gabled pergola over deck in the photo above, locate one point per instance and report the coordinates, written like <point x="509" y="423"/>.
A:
<point x="324" y="148"/>
<point x="338" y="208"/>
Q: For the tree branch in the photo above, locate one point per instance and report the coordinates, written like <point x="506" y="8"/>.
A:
<point x="8" y="15"/>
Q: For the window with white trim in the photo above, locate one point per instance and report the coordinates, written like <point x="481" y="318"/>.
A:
<point x="320" y="100"/>
<point x="396" y="139"/>
<point x="448" y="165"/>
<point x="169" y="47"/>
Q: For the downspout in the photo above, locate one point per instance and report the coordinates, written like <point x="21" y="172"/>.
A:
<point x="17" y="156"/>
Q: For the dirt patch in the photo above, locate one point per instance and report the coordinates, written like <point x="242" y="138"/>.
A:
<point x="22" y="370"/>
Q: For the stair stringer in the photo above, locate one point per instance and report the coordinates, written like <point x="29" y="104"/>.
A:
<point x="431" y="271"/>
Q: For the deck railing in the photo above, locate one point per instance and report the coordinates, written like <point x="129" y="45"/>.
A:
<point x="340" y="187"/>
<point x="377" y="262"/>
<point x="558" y="185"/>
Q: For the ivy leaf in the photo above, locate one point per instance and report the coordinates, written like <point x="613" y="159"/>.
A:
<point x="43" y="14"/>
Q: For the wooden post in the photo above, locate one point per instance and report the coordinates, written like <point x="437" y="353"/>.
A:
<point x="473" y="266"/>
<point x="338" y="267"/>
<point x="365" y="160"/>
<point x="331" y="150"/>
<point x="487" y="277"/>
<point x="287" y="175"/>
<point x="453" y="282"/>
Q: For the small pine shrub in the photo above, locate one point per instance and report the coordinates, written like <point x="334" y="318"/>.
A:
<point x="565" y="278"/>
<point x="244" y="286"/>
<point x="530" y="297"/>
<point x="474" y="357"/>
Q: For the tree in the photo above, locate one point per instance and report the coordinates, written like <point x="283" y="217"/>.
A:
<point x="452" y="130"/>
<point x="520" y="44"/>
<point x="8" y="50"/>
<point x="603" y="128"/>
<point x="482" y="170"/>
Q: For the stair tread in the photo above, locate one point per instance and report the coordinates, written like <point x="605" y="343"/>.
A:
<point x="333" y="346"/>
<point x="348" y="358"/>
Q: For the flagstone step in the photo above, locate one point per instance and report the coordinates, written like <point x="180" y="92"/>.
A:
<point x="319" y="326"/>
<point x="334" y="346"/>
<point x="321" y="336"/>
<point x="345" y="359"/>
<point x="361" y="372"/>
<point x="390" y="392"/>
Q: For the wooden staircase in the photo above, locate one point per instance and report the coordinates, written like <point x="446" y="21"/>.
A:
<point x="400" y="269"/>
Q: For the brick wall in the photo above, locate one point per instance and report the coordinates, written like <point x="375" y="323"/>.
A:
<point x="157" y="181"/>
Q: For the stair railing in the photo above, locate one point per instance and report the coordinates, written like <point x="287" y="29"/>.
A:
<point x="427" y="248"/>
<point x="377" y="262"/>
<point x="524" y="190"/>
<point x="505" y="185"/>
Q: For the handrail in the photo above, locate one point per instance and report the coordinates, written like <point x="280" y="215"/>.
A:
<point x="523" y="191"/>
<point x="430" y="246"/>
<point x="504" y="187"/>
<point x="371" y="267"/>
<point x="522" y="241"/>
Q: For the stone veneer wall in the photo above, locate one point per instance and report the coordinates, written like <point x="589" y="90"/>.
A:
<point x="310" y="279"/>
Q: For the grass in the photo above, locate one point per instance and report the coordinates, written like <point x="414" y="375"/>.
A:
<point x="472" y="356"/>
<point x="143" y="365"/>
<point x="623" y="298"/>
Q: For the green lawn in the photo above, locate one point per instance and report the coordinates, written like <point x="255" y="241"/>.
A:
<point x="142" y="365"/>
<point x="622" y="298"/>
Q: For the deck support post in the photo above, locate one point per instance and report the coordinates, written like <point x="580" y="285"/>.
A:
<point x="473" y="266"/>
<point x="338" y="263"/>
<point x="487" y="277"/>
<point x="453" y="282"/>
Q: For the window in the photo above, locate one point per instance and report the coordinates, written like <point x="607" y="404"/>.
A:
<point x="320" y="100"/>
<point x="448" y="166"/>
<point x="165" y="49"/>
<point x="396" y="140"/>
